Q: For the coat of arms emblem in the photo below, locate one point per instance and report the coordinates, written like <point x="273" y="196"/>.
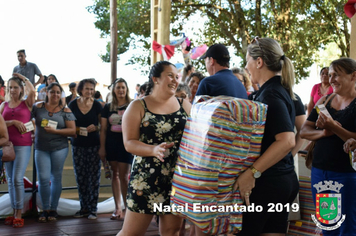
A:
<point x="328" y="205"/>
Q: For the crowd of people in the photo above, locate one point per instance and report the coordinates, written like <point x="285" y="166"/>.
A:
<point x="140" y="137"/>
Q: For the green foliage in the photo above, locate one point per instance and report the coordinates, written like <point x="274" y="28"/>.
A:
<point x="303" y="28"/>
<point x="133" y="19"/>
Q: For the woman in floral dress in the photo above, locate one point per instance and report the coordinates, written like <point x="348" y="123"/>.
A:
<point x="152" y="130"/>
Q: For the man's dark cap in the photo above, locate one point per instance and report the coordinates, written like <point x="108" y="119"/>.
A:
<point x="218" y="52"/>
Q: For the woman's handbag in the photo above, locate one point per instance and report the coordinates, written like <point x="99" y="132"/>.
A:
<point x="309" y="156"/>
<point x="8" y="152"/>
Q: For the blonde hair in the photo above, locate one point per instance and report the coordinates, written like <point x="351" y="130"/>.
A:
<point x="275" y="60"/>
<point x="114" y="103"/>
<point x="19" y="82"/>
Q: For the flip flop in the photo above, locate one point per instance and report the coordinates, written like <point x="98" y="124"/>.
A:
<point x="18" y="223"/>
<point x="9" y="220"/>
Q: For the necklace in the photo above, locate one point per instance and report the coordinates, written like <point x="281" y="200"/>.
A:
<point x="50" y="113"/>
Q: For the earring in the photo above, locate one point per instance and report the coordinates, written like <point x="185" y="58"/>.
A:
<point x="258" y="67"/>
<point x="156" y="82"/>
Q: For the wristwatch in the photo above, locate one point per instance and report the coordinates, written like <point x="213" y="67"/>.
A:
<point x="256" y="173"/>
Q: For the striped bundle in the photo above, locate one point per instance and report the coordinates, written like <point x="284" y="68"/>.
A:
<point x="221" y="139"/>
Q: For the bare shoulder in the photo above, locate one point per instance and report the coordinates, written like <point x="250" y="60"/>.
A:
<point x="187" y="106"/>
<point x="136" y="104"/>
<point x="67" y="109"/>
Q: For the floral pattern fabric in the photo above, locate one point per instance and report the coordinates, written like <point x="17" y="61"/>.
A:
<point x="151" y="180"/>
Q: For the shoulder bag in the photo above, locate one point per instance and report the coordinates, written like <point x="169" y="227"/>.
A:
<point x="8" y="152"/>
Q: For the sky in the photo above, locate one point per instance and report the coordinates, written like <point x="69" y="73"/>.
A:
<point x="60" y="37"/>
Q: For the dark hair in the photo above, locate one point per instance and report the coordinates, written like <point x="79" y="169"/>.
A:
<point x="45" y="79"/>
<point x="346" y="65"/>
<point x="97" y="94"/>
<point x="81" y="85"/>
<point x="321" y="71"/>
<point x="156" y="71"/>
<point x="1" y="82"/>
<point x="53" y="77"/>
<point x="115" y="101"/>
<point x="72" y="85"/>
<point x="50" y="87"/>
<point x="138" y="85"/>
<point x="199" y="75"/>
<point x="186" y="69"/>
<point x="143" y="87"/>
<point x="223" y="62"/>
<point x="21" y="50"/>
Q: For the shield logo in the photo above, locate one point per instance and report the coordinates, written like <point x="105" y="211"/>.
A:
<point x="328" y="207"/>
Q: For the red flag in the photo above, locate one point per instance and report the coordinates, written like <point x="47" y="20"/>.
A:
<point x="350" y="8"/>
<point x="168" y="50"/>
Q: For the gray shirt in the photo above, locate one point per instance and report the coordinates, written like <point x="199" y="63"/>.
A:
<point x="29" y="70"/>
<point x="45" y="141"/>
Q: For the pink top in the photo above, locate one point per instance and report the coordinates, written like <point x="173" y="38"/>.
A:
<point x="2" y="92"/>
<point x="315" y="93"/>
<point x="20" y="113"/>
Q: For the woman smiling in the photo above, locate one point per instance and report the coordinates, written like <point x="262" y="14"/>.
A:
<point x="54" y="123"/>
<point x="152" y="129"/>
<point x="85" y="147"/>
<point x="17" y="114"/>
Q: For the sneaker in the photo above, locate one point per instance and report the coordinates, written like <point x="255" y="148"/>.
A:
<point x="92" y="216"/>
<point x="81" y="213"/>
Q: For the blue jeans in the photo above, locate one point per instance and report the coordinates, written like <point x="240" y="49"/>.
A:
<point x="15" y="171"/>
<point x="348" y="192"/>
<point x="49" y="166"/>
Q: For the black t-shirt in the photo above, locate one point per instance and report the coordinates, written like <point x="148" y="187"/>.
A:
<point x="280" y="118"/>
<point x="84" y="120"/>
<point x="114" y="129"/>
<point x="328" y="152"/>
<point x="299" y="107"/>
<point x="69" y="98"/>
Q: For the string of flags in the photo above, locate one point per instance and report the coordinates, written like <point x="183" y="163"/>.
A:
<point x="167" y="51"/>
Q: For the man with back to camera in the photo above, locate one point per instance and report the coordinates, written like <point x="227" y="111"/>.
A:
<point x="221" y="80"/>
<point x="27" y="69"/>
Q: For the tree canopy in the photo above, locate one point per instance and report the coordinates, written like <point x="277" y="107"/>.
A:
<point x="301" y="27"/>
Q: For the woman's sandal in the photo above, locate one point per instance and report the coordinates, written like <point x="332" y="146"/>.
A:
<point x="114" y="216"/>
<point x="52" y="216"/>
<point x="9" y="220"/>
<point x="43" y="217"/>
<point x="18" y="223"/>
